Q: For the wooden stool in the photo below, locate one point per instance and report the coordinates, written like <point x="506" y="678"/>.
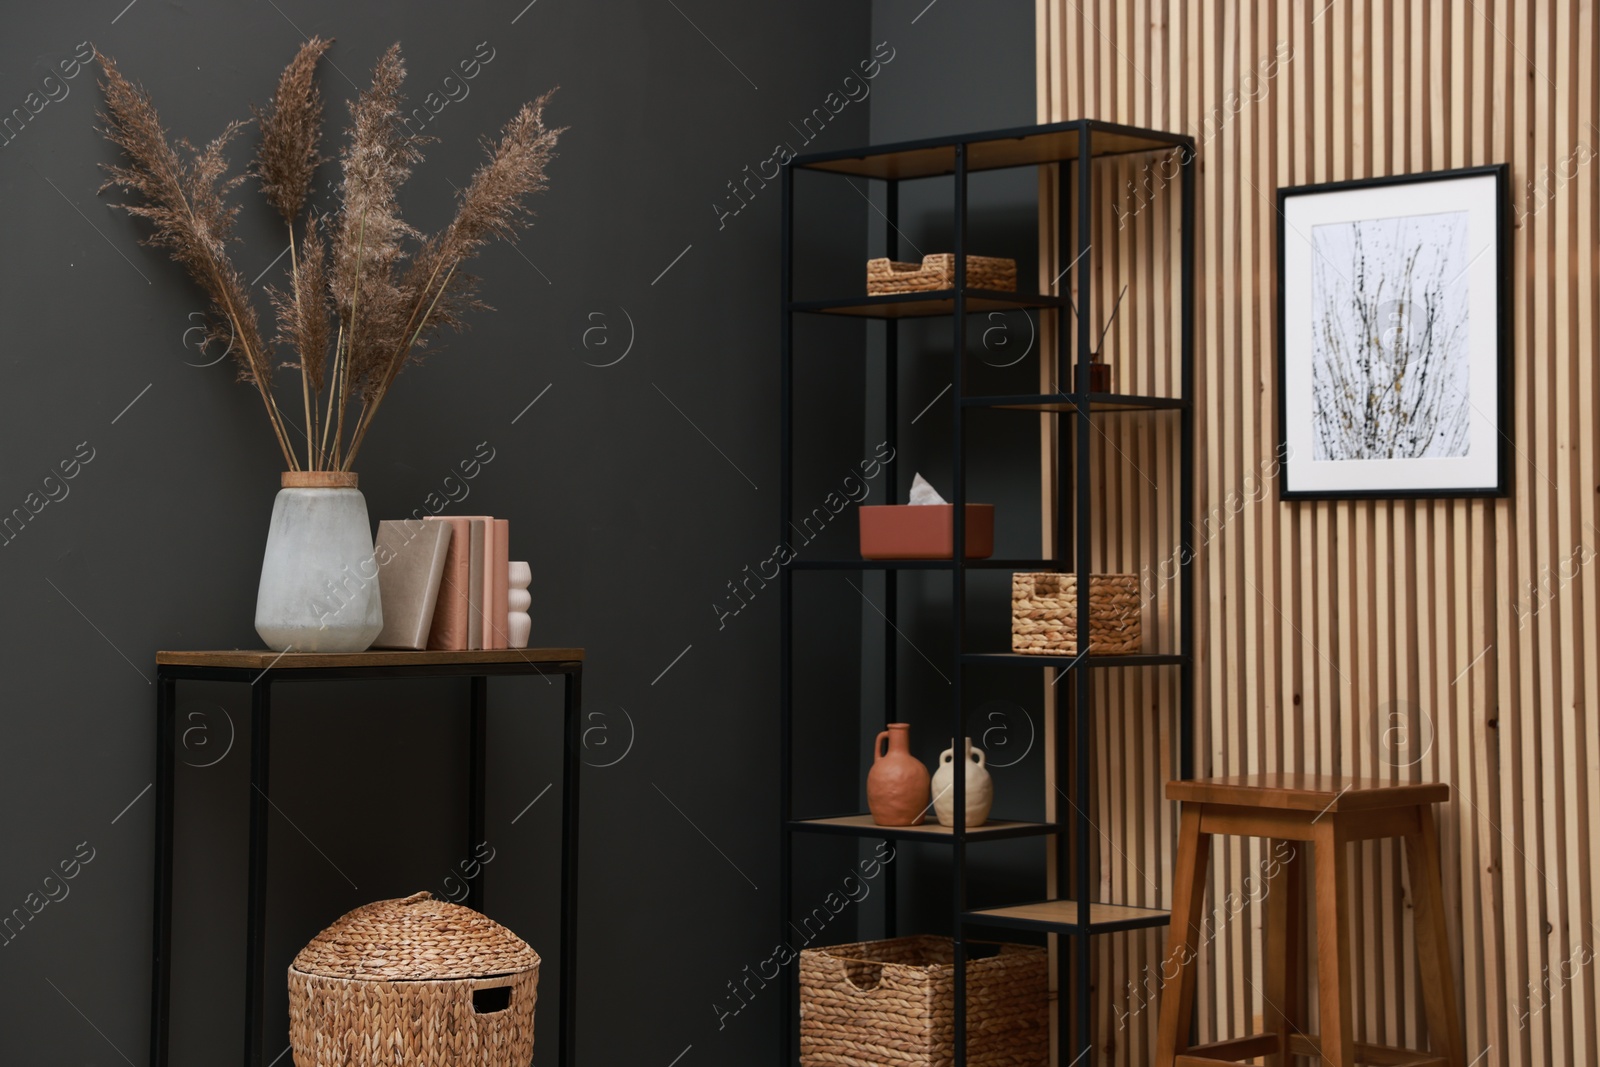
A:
<point x="1327" y="812"/>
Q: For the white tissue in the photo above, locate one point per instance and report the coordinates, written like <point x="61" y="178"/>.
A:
<point x="923" y="493"/>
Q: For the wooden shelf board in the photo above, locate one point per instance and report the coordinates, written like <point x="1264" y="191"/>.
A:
<point x="991" y="151"/>
<point x="871" y="565"/>
<point x="1019" y="659"/>
<point x="1059" y="914"/>
<point x="921" y="564"/>
<point x="924" y="305"/>
<point x="863" y="826"/>
<point x="261" y="659"/>
<point x="1099" y="403"/>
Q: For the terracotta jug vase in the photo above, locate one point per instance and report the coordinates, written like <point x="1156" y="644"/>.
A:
<point x="898" y="784"/>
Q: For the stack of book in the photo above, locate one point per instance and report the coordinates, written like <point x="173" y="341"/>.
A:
<point x="445" y="582"/>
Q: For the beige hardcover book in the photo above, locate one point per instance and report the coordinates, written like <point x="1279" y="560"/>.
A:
<point x="411" y="556"/>
<point x="448" y="632"/>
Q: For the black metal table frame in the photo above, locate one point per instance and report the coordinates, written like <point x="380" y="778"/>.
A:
<point x="261" y="682"/>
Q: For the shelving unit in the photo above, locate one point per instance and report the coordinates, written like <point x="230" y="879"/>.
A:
<point x="1071" y="148"/>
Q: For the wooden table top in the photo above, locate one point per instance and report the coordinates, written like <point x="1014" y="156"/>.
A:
<point x="1307" y="792"/>
<point x="261" y="659"/>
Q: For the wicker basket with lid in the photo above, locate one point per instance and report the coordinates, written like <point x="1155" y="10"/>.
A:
<point x="414" y="982"/>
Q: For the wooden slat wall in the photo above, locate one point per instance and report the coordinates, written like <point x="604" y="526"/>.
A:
<point x="1454" y="640"/>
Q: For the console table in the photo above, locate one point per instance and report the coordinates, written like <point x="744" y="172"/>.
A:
<point x="261" y="670"/>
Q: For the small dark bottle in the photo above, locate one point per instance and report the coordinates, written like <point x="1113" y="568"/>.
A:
<point x="1099" y="378"/>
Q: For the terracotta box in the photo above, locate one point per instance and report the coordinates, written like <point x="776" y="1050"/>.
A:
<point x="924" y="531"/>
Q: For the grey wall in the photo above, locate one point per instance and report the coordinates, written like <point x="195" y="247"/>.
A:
<point x="960" y="70"/>
<point x="637" y="491"/>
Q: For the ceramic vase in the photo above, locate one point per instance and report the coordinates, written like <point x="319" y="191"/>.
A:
<point x="518" y="601"/>
<point x="319" y="578"/>
<point x="897" y="785"/>
<point x="980" y="787"/>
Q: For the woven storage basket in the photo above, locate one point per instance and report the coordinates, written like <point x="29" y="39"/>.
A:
<point x="416" y="982"/>
<point x="893" y="1002"/>
<point x="884" y="276"/>
<point x="1044" y="614"/>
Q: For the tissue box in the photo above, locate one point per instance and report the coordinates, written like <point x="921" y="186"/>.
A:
<point x="924" y="531"/>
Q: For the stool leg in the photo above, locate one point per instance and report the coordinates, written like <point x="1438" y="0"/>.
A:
<point x="1285" y="934"/>
<point x="1333" y="940"/>
<point x="1183" y="937"/>
<point x="1433" y="942"/>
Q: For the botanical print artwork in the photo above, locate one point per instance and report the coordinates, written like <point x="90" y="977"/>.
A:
<point x="1389" y="345"/>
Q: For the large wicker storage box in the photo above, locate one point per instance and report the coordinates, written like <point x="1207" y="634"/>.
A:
<point x="1044" y="614"/>
<point x="415" y="982"/>
<point x="893" y="1002"/>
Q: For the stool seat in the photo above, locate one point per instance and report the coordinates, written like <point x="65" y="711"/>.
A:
<point x="1306" y="817"/>
<point x="1306" y="792"/>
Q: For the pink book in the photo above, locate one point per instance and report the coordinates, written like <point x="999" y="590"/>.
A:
<point x="475" y="586"/>
<point x="494" y="629"/>
<point x="502" y="582"/>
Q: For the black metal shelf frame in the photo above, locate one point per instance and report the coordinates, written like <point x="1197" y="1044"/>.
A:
<point x="1071" y="147"/>
<point x="261" y="683"/>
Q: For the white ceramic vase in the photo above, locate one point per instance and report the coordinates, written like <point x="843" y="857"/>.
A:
<point x="319" y="579"/>
<point x="980" y="787"/>
<point x="518" y="600"/>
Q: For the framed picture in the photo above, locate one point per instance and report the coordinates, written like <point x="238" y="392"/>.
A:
<point x="1394" y="339"/>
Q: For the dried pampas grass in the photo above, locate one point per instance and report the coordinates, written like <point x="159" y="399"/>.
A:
<point x="435" y="294"/>
<point x="366" y="290"/>
<point x="291" y="129"/>
<point x="185" y="200"/>
<point x="373" y="239"/>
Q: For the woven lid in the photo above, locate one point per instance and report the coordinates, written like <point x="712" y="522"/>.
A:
<point x="415" y="938"/>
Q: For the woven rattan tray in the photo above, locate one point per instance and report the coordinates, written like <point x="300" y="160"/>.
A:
<point x="885" y="277"/>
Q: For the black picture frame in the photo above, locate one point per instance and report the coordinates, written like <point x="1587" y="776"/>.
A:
<point x="1323" y="479"/>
